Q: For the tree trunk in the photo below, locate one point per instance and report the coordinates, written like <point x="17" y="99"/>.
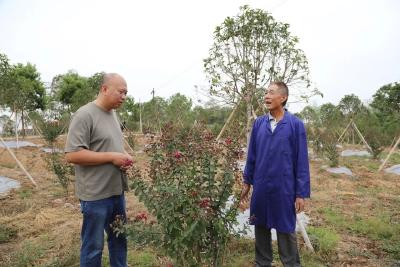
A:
<point x="23" y="123"/>
<point x="249" y="119"/>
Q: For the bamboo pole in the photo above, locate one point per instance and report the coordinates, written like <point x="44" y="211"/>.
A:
<point x="18" y="162"/>
<point x="34" y="126"/>
<point x="228" y="121"/>
<point x="345" y="130"/>
<point x="388" y="156"/>
<point x="361" y="136"/>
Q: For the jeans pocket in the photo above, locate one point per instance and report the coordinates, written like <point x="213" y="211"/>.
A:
<point x="82" y="204"/>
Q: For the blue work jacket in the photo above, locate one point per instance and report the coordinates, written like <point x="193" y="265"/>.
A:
<point x="277" y="167"/>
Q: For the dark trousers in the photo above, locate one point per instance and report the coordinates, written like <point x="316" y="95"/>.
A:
<point x="97" y="217"/>
<point x="287" y="248"/>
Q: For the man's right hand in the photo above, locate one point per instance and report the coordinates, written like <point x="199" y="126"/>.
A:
<point x="122" y="160"/>
<point x="244" y="196"/>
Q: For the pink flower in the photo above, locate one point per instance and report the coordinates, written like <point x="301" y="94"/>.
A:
<point x="177" y="154"/>
<point x="204" y="203"/>
<point x="142" y="216"/>
<point x="127" y="163"/>
<point x="228" y="141"/>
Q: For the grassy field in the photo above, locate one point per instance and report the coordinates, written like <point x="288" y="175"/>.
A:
<point x="354" y="221"/>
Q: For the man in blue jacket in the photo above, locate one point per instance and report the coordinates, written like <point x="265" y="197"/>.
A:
<point x="277" y="168"/>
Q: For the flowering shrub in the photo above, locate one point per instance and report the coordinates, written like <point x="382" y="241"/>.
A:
<point x="63" y="170"/>
<point x="186" y="188"/>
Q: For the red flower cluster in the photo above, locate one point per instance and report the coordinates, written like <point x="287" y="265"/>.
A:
<point x="142" y="216"/>
<point x="204" y="203"/>
<point x="228" y="141"/>
<point x="127" y="163"/>
<point x="177" y="154"/>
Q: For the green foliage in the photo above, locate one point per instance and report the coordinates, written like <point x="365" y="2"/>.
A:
<point x="74" y="91"/>
<point x="179" y="110"/>
<point x="153" y="114"/>
<point x="129" y="114"/>
<point x="51" y="130"/>
<point x="212" y="115"/>
<point x="22" y="90"/>
<point x="28" y="254"/>
<point x="249" y="51"/>
<point x="324" y="143"/>
<point x="26" y="90"/>
<point x="310" y="116"/>
<point x="375" y="227"/>
<point x="25" y="193"/>
<point x="330" y="115"/>
<point x="334" y="218"/>
<point x="324" y="240"/>
<point x="63" y="170"/>
<point x="193" y="176"/>
<point x="144" y="257"/>
<point x="386" y="101"/>
<point x="350" y="105"/>
<point x="374" y="136"/>
<point x="4" y="78"/>
<point x="379" y="228"/>
<point x="6" y="233"/>
<point x="9" y="127"/>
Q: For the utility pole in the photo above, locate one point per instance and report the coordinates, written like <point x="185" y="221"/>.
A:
<point x="140" y="117"/>
<point x="153" y="92"/>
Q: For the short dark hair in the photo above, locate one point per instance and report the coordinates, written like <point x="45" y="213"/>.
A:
<point x="283" y="88"/>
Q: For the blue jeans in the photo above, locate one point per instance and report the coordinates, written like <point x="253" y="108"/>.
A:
<point x="97" y="217"/>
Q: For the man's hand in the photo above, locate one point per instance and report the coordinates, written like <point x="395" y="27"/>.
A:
<point x="299" y="204"/>
<point x="244" y="196"/>
<point x="122" y="160"/>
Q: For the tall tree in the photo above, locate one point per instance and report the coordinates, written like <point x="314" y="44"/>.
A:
<point x="179" y="109"/>
<point x="154" y="114"/>
<point x="386" y="102"/>
<point x="350" y="105"/>
<point x="4" y="78"/>
<point x="74" y="90"/>
<point x="250" y="50"/>
<point x="66" y="86"/>
<point x="310" y="116"/>
<point x="25" y="90"/>
<point x="330" y="115"/>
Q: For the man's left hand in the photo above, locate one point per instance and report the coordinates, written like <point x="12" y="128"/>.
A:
<point x="299" y="204"/>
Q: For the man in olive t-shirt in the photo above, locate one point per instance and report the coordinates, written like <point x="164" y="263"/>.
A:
<point x="95" y="146"/>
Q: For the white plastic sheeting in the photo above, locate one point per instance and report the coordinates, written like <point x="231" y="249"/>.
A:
<point x="357" y="153"/>
<point x="340" y="170"/>
<point x="6" y="184"/>
<point x="394" y="169"/>
<point x="13" y="144"/>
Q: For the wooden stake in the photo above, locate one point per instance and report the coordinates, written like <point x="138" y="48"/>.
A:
<point x="18" y="162"/>
<point x="228" y="121"/>
<point x="345" y="130"/>
<point x="361" y="136"/>
<point x="390" y="153"/>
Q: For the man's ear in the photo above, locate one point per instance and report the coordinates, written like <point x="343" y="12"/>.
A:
<point x="103" y="88"/>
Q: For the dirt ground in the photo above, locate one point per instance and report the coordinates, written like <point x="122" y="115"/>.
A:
<point x="43" y="224"/>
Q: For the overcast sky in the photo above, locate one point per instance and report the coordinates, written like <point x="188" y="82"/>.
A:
<point x="352" y="46"/>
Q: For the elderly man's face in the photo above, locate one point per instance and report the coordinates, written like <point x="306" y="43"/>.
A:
<point x="116" y="91"/>
<point x="274" y="97"/>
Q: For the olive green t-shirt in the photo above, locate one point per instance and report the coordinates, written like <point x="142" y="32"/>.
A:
<point x="97" y="130"/>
